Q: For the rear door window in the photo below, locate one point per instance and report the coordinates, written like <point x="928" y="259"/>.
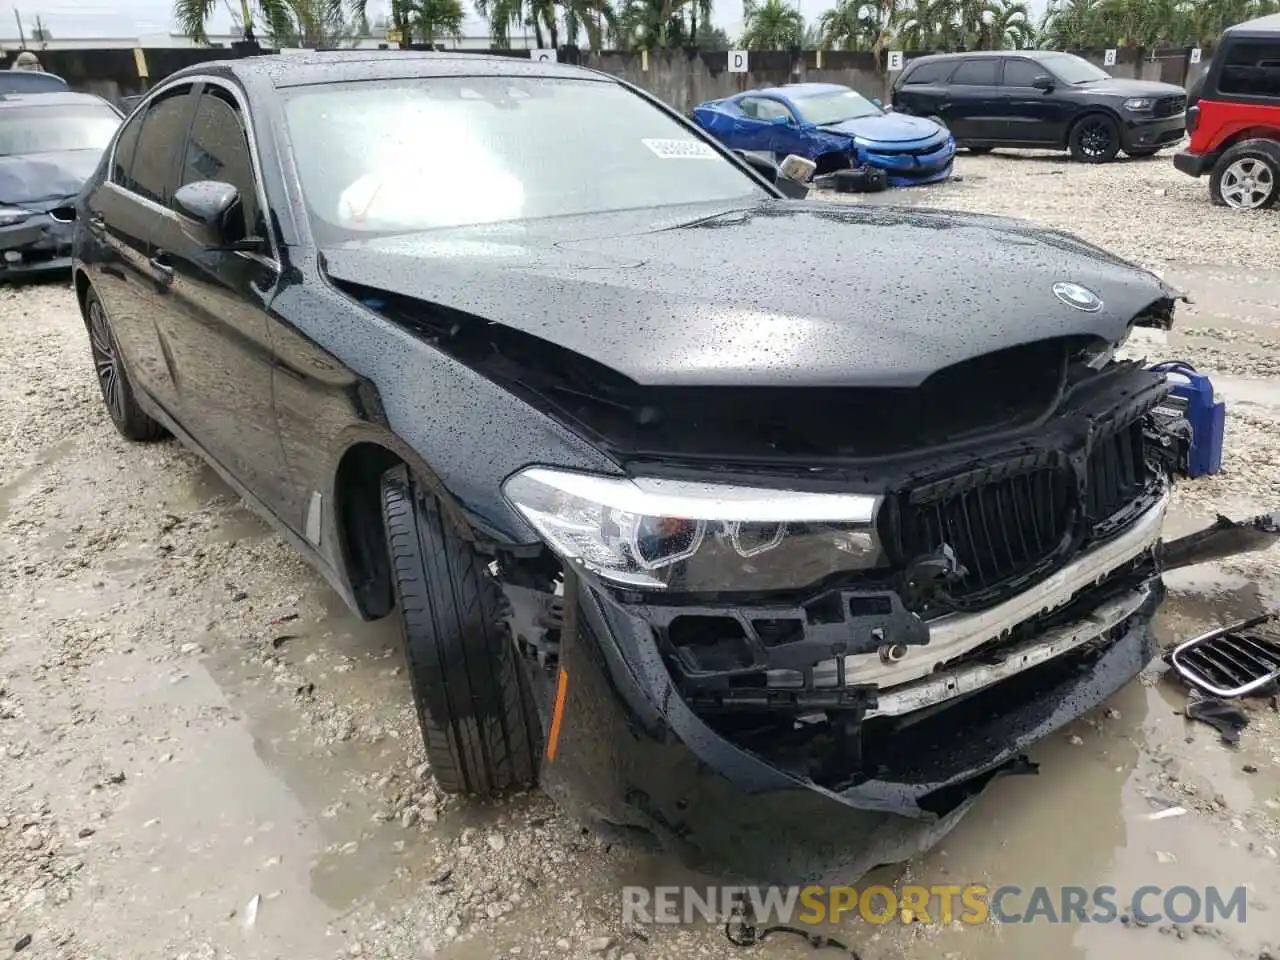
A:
<point x="1251" y="68"/>
<point x="984" y="72"/>
<point x="926" y="73"/>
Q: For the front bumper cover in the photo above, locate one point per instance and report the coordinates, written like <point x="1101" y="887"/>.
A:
<point x="43" y="242"/>
<point x="1148" y="133"/>
<point x="632" y="753"/>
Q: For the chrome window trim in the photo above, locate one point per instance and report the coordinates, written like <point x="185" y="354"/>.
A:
<point x="246" y="118"/>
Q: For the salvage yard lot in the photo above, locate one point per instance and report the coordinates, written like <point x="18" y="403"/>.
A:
<point x="204" y="755"/>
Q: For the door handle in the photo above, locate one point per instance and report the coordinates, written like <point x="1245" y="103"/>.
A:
<point x="161" y="265"/>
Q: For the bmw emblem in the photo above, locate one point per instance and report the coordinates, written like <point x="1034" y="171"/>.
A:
<point x="1081" y="298"/>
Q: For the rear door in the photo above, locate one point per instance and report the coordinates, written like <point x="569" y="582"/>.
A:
<point x="924" y="88"/>
<point x="1031" y="115"/>
<point x="971" y="104"/>
<point x="211" y="307"/>
<point x="124" y="211"/>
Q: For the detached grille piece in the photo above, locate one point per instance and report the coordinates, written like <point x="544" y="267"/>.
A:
<point x="999" y="528"/>
<point x="1116" y="472"/>
<point x="1231" y="661"/>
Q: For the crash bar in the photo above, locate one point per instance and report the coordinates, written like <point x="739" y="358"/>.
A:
<point x="956" y="634"/>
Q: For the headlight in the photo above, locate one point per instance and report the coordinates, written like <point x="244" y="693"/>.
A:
<point x="11" y="215"/>
<point x="696" y="537"/>
<point x="1139" y="103"/>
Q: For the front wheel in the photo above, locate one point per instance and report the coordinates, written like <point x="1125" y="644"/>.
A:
<point x="1246" y="177"/>
<point x="481" y="731"/>
<point x="1095" y="139"/>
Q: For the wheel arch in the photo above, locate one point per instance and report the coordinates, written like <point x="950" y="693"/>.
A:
<point x="1093" y="110"/>
<point x="356" y="514"/>
<point x="1255" y="132"/>
<point x="80" y="282"/>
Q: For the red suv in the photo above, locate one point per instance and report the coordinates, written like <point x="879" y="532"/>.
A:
<point x="1235" y="124"/>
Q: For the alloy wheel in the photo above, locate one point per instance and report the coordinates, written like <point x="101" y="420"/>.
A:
<point x="1247" y="183"/>
<point x="106" y="361"/>
<point x="1095" y="138"/>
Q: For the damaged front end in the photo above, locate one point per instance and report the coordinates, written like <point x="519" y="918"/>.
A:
<point x="803" y="628"/>
<point x="792" y="681"/>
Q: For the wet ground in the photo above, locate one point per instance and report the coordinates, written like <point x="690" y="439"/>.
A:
<point x="203" y="754"/>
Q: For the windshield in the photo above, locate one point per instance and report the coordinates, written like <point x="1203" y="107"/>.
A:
<point x="1069" y="68"/>
<point x="53" y="129"/>
<point x="402" y="156"/>
<point x="835" y="107"/>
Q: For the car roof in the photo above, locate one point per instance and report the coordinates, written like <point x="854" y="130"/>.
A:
<point x="1262" y="26"/>
<point x="57" y="99"/>
<point x="798" y="89"/>
<point x="343" y="66"/>
<point x="979" y="54"/>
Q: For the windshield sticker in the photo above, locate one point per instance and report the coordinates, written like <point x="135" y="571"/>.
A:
<point x="680" y="149"/>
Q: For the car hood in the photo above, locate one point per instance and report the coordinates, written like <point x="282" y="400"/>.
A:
<point x="889" y="128"/>
<point x="35" y="177"/>
<point x="780" y="293"/>
<point x="1120" y="87"/>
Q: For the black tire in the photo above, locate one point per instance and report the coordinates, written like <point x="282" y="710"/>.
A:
<point x="132" y="422"/>
<point x="1139" y="152"/>
<point x="1260" y="159"/>
<point x="478" y="723"/>
<point x="1094" y="139"/>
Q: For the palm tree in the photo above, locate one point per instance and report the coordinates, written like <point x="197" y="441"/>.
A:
<point x="318" y="25"/>
<point x="771" y="25"/>
<point x="502" y="16"/>
<point x="436" y="19"/>
<point x="1011" y="26"/>
<point x="193" y="15"/>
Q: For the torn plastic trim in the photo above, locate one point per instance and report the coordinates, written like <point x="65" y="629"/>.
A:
<point x="941" y="687"/>
<point x="1224" y="538"/>
<point x="956" y="634"/>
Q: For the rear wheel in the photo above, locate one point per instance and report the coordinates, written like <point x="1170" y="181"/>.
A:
<point x="1247" y="176"/>
<point x="1094" y="139"/>
<point x="481" y="732"/>
<point x="129" y="419"/>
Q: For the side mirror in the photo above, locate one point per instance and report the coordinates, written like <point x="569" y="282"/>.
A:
<point x="1043" y="83"/>
<point x="215" y="208"/>
<point x="781" y="121"/>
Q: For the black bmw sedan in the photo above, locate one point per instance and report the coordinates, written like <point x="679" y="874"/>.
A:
<point x="768" y="528"/>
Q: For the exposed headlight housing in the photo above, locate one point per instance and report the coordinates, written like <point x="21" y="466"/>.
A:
<point x="696" y="537"/>
<point x="1139" y="103"/>
<point x="11" y="215"/>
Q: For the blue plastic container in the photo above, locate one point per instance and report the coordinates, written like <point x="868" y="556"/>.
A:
<point x="1193" y="398"/>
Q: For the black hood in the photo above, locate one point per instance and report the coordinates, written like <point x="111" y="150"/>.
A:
<point x="1122" y="87"/>
<point x="32" y="178"/>
<point x="781" y="294"/>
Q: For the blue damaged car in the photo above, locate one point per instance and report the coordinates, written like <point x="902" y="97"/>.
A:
<point x="835" y="127"/>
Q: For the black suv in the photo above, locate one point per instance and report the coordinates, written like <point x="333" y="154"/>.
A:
<point x="1045" y="100"/>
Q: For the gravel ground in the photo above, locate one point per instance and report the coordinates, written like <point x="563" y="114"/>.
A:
<point x="204" y="755"/>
